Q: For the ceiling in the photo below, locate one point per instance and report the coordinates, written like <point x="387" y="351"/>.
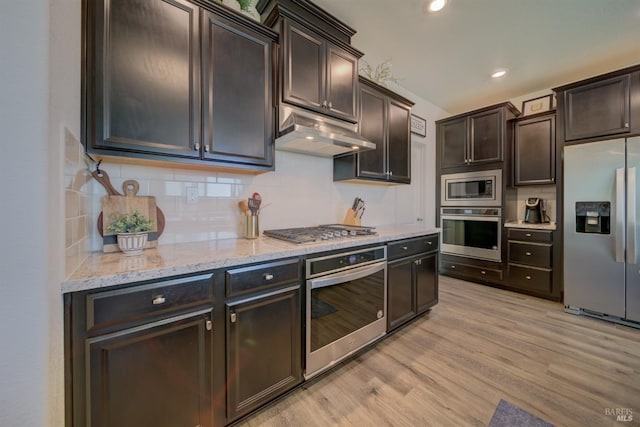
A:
<point x="447" y="58"/>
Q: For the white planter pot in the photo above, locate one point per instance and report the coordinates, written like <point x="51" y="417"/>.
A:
<point x="132" y="243"/>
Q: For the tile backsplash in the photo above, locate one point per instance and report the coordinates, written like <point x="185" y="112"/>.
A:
<point x="300" y="193"/>
<point x="545" y="192"/>
<point x="78" y="191"/>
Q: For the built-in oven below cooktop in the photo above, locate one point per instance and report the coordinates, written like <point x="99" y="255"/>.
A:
<point x="320" y="232"/>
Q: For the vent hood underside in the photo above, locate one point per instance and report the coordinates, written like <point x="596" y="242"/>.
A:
<point x="318" y="137"/>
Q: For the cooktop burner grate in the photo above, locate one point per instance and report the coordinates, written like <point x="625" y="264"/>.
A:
<point x="321" y="232"/>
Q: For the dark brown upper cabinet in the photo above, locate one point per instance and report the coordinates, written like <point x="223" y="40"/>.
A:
<point x="239" y="105"/>
<point x="319" y="67"/>
<point x="318" y="75"/>
<point x="474" y="138"/>
<point x="167" y="80"/>
<point x="599" y="107"/>
<point x="534" y="148"/>
<point x="385" y="119"/>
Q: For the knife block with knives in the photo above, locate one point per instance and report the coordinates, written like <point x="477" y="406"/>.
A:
<point x="354" y="213"/>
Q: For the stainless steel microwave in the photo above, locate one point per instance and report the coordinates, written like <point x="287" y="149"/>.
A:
<point x="478" y="188"/>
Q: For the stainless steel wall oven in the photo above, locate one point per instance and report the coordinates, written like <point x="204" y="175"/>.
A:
<point x="471" y="232"/>
<point x="345" y="306"/>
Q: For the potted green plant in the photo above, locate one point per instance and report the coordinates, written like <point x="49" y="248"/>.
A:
<point x="132" y="231"/>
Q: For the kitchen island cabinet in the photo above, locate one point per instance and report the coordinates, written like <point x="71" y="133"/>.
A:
<point x="167" y="80"/>
<point x="412" y="283"/>
<point x="384" y="120"/>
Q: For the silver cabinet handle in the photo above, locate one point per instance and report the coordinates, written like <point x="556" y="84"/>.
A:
<point x="209" y="325"/>
<point x="483" y="272"/>
<point x="626" y="125"/>
<point x="429" y="242"/>
<point x="527" y="277"/>
<point x="330" y="105"/>
<point x="159" y="299"/>
<point x="527" y="253"/>
<point x="528" y="234"/>
<point x="206" y="148"/>
<point x="233" y="317"/>
<point x="390" y="173"/>
<point x="268" y="276"/>
<point x="324" y="104"/>
<point x="196" y="146"/>
<point x="405" y="248"/>
<point x="453" y="267"/>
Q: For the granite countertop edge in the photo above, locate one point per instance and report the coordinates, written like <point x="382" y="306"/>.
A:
<point x="101" y="270"/>
<point x="520" y="224"/>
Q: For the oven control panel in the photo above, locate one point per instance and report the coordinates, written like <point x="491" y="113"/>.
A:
<point x="341" y="261"/>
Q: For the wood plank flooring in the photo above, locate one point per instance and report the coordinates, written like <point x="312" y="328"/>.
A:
<point x="477" y="346"/>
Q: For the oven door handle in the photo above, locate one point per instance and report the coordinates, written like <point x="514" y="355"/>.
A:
<point x="346" y="276"/>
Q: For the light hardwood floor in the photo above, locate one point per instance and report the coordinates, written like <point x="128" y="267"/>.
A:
<point x="477" y="346"/>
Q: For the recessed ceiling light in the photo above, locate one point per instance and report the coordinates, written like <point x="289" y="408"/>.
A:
<point x="498" y="74"/>
<point x="435" y="5"/>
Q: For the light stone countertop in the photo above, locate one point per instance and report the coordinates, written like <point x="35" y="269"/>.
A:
<point x="521" y="224"/>
<point x="101" y="270"/>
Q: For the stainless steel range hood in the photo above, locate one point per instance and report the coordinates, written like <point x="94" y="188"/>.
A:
<point x="318" y="136"/>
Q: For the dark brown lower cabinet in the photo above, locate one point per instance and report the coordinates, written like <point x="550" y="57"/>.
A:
<point x="264" y="350"/>
<point x="142" y="355"/>
<point x="412" y="282"/>
<point x="154" y="375"/>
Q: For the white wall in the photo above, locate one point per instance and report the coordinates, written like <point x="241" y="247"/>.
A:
<point x="25" y="282"/>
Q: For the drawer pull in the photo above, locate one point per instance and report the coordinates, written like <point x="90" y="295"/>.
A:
<point x="160" y="299"/>
<point x="209" y="325"/>
<point x="528" y="234"/>
<point x="405" y="248"/>
<point x="453" y="267"/>
<point x="483" y="272"/>
<point x="418" y="262"/>
<point x="527" y="277"/>
<point x="527" y="253"/>
<point x="234" y="317"/>
<point x="268" y="276"/>
<point x="429" y="242"/>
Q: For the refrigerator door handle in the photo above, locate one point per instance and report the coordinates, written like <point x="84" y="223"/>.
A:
<point x="619" y="233"/>
<point x="631" y="215"/>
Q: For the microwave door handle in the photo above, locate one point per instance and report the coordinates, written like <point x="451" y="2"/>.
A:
<point x="631" y="215"/>
<point x="355" y="274"/>
<point x="619" y="230"/>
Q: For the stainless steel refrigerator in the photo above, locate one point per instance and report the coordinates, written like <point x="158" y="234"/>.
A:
<point x="601" y="206"/>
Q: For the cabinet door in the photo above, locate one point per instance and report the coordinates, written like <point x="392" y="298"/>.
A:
<point x="597" y="109"/>
<point x="143" y="74"/>
<point x="373" y="113"/>
<point x="155" y="375"/>
<point x="264" y="350"/>
<point x="238" y="114"/>
<point x="401" y="304"/>
<point x="485" y="137"/>
<point x="399" y="143"/>
<point x="303" y="74"/>
<point x="534" y="151"/>
<point x="453" y="140"/>
<point x="342" y="80"/>
<point x="426" y="278"/>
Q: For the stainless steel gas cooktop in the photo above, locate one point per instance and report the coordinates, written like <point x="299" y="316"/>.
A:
<point x="321" y="232"/>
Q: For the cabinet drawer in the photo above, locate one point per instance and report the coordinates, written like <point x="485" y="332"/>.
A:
<point x="530" y="278"/>
<point x="527" y="235"/>
<point x="409" y="247"/>
<point x="536" y="255"/>
<point x="262" y="276"/>
<point x="139" y="301"/>
<point x="480" y="273"/>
